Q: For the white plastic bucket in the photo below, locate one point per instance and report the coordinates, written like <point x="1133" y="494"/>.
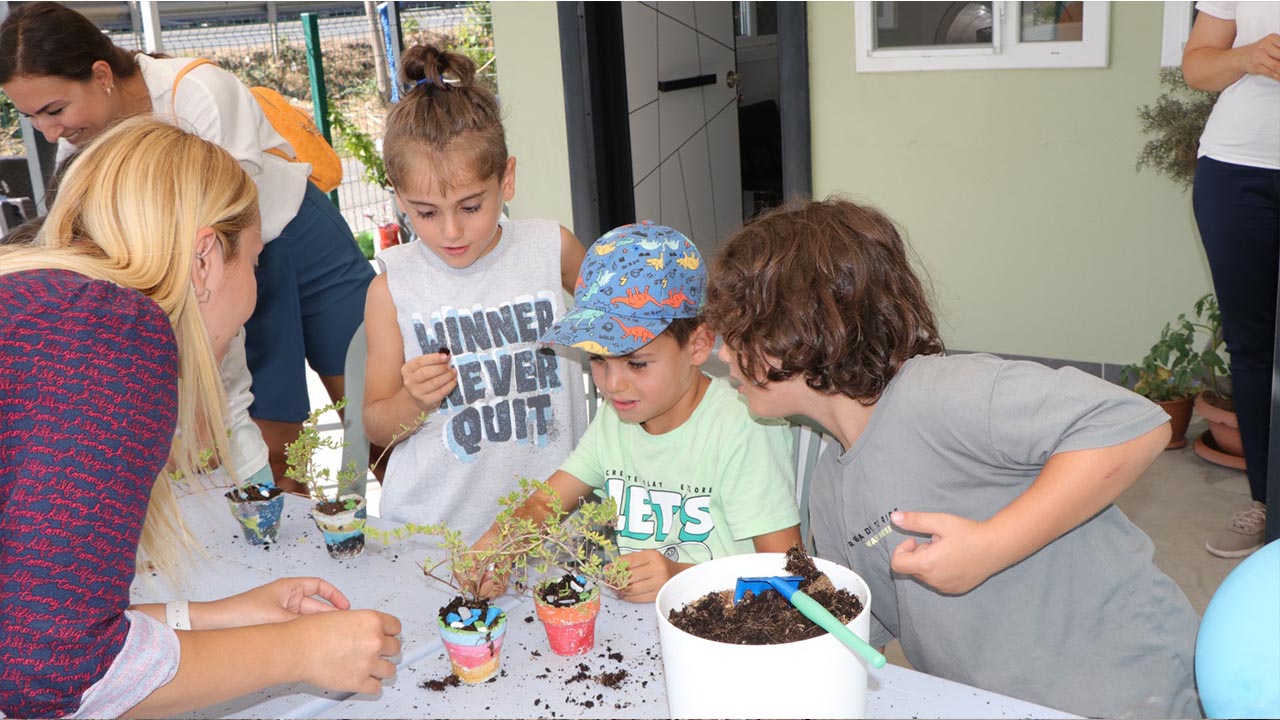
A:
<point x="815" y="678"/>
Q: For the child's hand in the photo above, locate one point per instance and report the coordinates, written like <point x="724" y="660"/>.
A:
<point x="960" y="557"/>
<point x="480" y="582"/>
<point x="650" y="570"/>
<point x="429" y="379"/>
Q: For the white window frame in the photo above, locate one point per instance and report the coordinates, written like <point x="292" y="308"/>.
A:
<point x="1177" y="30"/>
<point x="1007" y="50"/>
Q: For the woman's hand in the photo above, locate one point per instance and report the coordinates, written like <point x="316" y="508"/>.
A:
<point x="1261" y="57"/>
<point x="278" y="601"/>
<point x="429" y="379"/>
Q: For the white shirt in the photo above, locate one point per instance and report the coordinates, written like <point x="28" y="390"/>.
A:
<point x="1244" y="127"/>
<point x="215" y="105"/>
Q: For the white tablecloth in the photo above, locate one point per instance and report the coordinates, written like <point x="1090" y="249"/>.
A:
<point x="533" y="682"/>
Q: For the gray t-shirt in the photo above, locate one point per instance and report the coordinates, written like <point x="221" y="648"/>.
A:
<point x="1088" y="624"/>
<point x="519" y="406"/>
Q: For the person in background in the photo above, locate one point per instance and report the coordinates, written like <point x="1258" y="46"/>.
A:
<point x="1234" y="49"/>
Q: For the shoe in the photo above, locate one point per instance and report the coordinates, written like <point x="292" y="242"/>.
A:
<point x="1242" y="535"/>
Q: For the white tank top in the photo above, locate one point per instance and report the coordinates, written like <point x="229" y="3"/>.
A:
<point x="519" y="407"/>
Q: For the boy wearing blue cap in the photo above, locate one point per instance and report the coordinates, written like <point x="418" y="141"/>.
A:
<point x="695" y="476"/>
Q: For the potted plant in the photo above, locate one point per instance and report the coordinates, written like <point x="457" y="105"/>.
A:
<point x="1176" y="121"/>
<point x="816" y="677"/>
<point x="1215" y="403"/>
<point x="563" y="560"/>
<point x="257" y="506"/>
<point x="362" y="147"/>
<point x="1170" y="375"/>
<point x="340" y="515"/>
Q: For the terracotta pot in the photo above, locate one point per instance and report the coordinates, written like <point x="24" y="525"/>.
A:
<point x="570" y="630"/>
<point x="474" y="655"/>
<point x="1207" y="449"/>
<point x="1223" y="425"/>
<point x="388" y="236"/>
<point x="1179" y="418"/>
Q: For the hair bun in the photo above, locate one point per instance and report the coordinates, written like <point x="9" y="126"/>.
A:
<point x="429" y="64"/>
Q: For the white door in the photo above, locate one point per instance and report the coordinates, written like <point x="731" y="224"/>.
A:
<point x="684" y="139"/>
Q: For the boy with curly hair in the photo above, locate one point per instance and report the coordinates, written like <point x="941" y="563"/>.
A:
<point x="973" y="494"/>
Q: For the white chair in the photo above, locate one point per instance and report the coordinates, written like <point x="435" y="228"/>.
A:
<point x="356" y="448"/>
<point x="810" y="442"/>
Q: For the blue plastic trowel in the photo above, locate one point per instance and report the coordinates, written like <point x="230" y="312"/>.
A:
<point x="788" y="586"/>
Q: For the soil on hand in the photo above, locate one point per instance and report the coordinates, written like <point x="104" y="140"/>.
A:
<point x="252" y="493"/>
<point x="767" y="618"/>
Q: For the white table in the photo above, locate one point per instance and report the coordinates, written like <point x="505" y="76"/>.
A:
<point x="533" y="682"/>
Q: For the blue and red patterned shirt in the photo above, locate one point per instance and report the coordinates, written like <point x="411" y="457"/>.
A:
<point x="88" y="407"/>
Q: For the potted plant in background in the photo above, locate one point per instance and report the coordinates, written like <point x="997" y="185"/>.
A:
<point x="1176" y="121"/>
<point x="362" y="147"/>
<point x="1170" y="375"/>
<point x="340" y="516"/>
<point x="567" y="558"/>
<point x="1215" y="402"/>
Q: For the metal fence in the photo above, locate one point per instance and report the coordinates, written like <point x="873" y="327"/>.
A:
<point x="264" y="44"/>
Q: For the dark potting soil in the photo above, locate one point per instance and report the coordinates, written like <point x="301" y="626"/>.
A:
<point x="332" y="507"/>
<point x="565" y="592"/>
<point x="767" y="618"/>
<point x="251" y="493"/>
<point x="479" y="610"/>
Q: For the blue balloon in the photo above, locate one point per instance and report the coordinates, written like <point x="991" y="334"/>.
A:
<point x="1238" y="649"/>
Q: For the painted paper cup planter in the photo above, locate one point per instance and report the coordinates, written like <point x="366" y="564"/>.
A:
<point x="342" y="523"/>
<point x="258" y="508"/>
<point x="568" y="609"/>
<point x="473" y="639"/>
<point x="814" y="678"/>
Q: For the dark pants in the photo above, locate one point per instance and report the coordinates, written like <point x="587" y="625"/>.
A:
<point x="312" y="282"/>
<point x="1238" y="211"/>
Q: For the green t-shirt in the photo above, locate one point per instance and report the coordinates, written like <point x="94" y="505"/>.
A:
<point x="700" y="491"/>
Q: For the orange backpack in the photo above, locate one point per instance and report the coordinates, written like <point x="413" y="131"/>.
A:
<point x="295" y="127"/>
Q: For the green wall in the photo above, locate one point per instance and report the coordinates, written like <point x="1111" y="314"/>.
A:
<point x="1017" y="190"/>
<point x="527" y="41"/>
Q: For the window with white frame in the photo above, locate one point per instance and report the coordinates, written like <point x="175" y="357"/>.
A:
<point x="980" y="35"/>
<point x="1178" y="18"/>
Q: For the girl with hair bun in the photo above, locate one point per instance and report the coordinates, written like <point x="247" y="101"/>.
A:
<point x="454" y="320"/>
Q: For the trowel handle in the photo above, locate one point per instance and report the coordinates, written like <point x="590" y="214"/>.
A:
<point x="823" y="618"/>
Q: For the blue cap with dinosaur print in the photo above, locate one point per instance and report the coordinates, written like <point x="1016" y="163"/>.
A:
<point x="634" y="281"/>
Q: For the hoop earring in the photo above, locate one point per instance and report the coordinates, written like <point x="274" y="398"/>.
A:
<point x="109" y="89"/>
<point x="203" y="297"/>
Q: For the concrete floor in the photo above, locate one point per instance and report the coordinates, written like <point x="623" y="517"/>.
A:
<point x="1180" y="501"/>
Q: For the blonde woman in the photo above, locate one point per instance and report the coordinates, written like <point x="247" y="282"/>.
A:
<point x="112" y="323"/>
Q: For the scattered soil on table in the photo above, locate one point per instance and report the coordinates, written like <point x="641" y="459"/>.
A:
<point x="767" y="618"/>
<point x="611" y="679"/>
<point x="447" y="681"/>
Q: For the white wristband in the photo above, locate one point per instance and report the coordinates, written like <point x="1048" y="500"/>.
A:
<point x="177" y="613"/>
